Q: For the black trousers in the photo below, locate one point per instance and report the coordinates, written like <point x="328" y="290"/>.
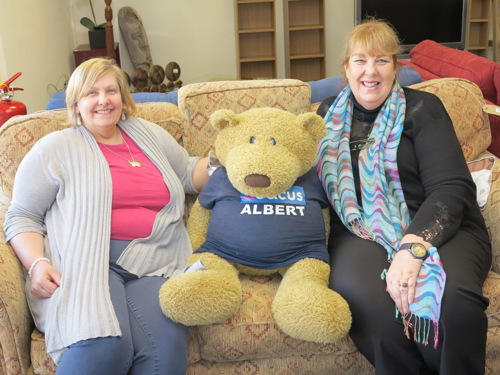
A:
<point x="356" y="268"/>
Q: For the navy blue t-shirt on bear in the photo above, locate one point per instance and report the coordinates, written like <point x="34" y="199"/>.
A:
<point x="265" y="232"/>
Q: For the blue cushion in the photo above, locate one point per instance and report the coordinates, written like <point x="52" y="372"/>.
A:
<point x="324" y="88"/>
<point x="145" y="97"/>
<point x="58" y="100"/>
<point x="408" y="76"/>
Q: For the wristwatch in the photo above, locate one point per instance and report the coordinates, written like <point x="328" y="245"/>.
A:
<point x="416" y="249"/>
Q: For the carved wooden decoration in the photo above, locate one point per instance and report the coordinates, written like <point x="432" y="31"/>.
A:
<point x="110" y="43"/>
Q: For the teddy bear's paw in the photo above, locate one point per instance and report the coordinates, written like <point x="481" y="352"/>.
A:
<point x="201" y="297"/>
<point x="312" y="312"/>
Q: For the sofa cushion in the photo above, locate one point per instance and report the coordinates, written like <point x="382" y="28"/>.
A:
<point x="252" y="335"/>
<point x="449" y="62"/>
<point x="464" y="103"/>
<point x="198" y="101"/>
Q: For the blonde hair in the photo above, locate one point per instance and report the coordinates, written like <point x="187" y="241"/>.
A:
<point x="373" y="37"/>
<point x="85" y="76"/>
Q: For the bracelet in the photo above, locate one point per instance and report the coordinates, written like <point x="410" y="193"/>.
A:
<point x="35" y="262"/>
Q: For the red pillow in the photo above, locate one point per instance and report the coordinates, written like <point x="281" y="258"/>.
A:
<point x="450" y="62"/>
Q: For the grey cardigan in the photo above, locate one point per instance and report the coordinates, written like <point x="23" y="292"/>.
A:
<point x="63" y="190"/>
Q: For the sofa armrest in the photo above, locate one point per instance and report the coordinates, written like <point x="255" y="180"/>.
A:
<point x="464" y="102"/>
<point x="15" y="319"/>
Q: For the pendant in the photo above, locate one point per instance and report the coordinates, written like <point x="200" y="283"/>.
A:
<point x="134" y="163"/>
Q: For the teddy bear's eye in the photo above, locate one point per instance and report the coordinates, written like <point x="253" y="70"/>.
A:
<point x="253" y="140"/>
<point x="272" y="141"/>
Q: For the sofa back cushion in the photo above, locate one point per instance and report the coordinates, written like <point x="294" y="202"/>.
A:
<point x="199" y="100"/>
<point x="449" y="62"/>
<point x="20" y="133"/>
<point x="463" y="101"/>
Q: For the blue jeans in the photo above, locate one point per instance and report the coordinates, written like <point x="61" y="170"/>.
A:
<point x="150" y="342"/>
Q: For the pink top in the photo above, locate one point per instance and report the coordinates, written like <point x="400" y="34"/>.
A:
<point x="138" y="192"/>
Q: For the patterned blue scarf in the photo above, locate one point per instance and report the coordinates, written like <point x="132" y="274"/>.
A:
<point x="384" y="217"/>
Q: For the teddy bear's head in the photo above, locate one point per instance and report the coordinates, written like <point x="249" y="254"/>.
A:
<point x="264" y="150"/>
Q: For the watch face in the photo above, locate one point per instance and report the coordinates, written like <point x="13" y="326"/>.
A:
<point x="419" y="250"/>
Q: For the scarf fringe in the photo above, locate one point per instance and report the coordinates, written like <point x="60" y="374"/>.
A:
<point x="421" y="328"/>
<point x="357" y="227"/>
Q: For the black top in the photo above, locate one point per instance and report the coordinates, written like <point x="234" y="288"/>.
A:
<point x="437" y="185"/>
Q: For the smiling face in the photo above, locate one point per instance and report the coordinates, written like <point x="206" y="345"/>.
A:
<point x="370" y="61"/>
<point x="101" y="107"/>
<point x="371" y="78"/>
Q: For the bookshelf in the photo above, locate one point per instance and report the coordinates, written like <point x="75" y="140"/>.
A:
<point x="478" y="26"/>
<point x="304" y="22"/>
<point x="256" y="39"/>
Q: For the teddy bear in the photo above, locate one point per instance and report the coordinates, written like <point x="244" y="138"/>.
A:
<point x="263" y="211"/>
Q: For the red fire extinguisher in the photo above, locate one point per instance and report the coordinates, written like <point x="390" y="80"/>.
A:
<point x="8" y="107"/>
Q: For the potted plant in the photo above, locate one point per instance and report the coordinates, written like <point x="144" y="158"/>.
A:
<point x="97" y="32"/>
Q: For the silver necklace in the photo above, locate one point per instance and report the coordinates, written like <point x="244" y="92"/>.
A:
<point x="133" y="162"/>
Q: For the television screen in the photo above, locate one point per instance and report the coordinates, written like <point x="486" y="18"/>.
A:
<point x="443" y="21"/>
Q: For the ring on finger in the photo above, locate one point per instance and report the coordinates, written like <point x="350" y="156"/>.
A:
<point x="403" y="285"/>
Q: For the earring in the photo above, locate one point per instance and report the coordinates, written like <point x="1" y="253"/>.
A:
<point x="78" y="120"/>
<point x="123" y="116"/>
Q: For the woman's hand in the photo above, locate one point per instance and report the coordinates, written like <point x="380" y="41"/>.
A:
<point x="401" y="279"/>
<point x="45" y="279"/>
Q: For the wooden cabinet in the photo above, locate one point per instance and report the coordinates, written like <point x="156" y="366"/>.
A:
<point x="84" y="52"/>
<point x="256" y="39"/>
<point x="478" y="26"/>
<point x="304" y="39"/>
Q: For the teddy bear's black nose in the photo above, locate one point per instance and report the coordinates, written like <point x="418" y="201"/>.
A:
<point x="257" y="180"/>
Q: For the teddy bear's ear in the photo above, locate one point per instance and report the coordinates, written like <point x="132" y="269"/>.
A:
<point x="224" y="118"/>
<point x="313" y="124"/>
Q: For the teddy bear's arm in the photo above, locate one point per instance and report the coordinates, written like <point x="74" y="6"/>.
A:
<point x="197" y="224"/>
<point x="326" y="219"/>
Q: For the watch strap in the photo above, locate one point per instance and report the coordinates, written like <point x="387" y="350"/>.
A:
<point x="406" y="246"/>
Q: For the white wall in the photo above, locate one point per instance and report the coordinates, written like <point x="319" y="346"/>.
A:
<point x="200" y="35"/>
<point x="37" y="38"/>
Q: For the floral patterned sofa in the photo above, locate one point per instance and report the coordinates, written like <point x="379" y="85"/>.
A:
<point x="250" y="342"/>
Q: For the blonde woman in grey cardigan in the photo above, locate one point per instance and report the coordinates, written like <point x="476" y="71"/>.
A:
<point x="96" y="219"/>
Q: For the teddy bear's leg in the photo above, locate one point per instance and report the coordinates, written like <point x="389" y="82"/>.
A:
<point x="305" y="308"/>
<point x="204" y="296"/>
